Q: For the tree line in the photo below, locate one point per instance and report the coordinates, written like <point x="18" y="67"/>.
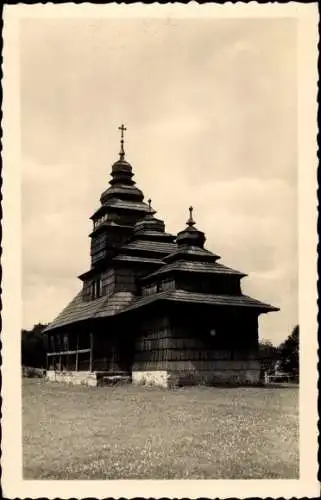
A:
<point x="34" y="349"/>
<point x="285" y="357"/>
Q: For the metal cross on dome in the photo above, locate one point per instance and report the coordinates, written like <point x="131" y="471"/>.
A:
<point x="122" y="129"/>
<point x="190" y="221"/>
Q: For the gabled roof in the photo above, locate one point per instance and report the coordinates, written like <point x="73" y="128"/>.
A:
<point x="202" y="298"/>
<point x="193" y="266"/>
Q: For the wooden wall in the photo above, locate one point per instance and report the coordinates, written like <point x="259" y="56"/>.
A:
<point x="167" y="337"/>
<point x="125" y="280"/>
<point x="212" y="284"/>
<point x="185" y="337"/>
<point x="113" y="346"/>
<point x="151" y="342"/>
<point x="108" y="282"/>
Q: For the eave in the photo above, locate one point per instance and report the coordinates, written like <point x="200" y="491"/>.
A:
<point x="194" y="267"/>
<point x="183" y="296"/>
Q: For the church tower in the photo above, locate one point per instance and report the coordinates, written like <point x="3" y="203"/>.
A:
<point x="121" y="207"/>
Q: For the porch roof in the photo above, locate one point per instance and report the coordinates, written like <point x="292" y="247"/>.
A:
<point x="79" y="309"/>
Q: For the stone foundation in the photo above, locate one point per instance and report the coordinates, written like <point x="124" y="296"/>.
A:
<point x="91" y="379"/>
<point x="75" y="378"/>
<point x="231" y="373"/>
<point x="157" y="377"/>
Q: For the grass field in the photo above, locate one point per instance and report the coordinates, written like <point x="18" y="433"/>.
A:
<point x="149" y="433"/>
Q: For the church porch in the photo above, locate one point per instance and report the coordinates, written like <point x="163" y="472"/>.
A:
<point x="91" y="354"/>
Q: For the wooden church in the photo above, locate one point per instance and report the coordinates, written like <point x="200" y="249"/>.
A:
<point x="154" y="308"/>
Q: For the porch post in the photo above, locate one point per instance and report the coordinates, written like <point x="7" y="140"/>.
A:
<point x="77" y="347"/>
<point x="67" y="355"/>
<point x="91" y="352"/>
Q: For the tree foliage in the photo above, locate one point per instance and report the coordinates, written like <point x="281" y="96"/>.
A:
<point x="34" y="346"/>
<point x="285" y="356"/>
<point x="268" y="355"/>
<point x="289" y="352"/>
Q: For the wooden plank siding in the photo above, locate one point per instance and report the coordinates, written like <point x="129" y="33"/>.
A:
<point x="125" y="280"/>
<point x="163" y="339"/>
<point x="186" y="339"/>
<point x="212" y="284"/>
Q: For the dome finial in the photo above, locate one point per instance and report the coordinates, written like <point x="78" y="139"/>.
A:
<point x="190" y="221"/>
<point x="122" y="129"/>
<point x="149" y="204"/>
<point x="190" y="236"/>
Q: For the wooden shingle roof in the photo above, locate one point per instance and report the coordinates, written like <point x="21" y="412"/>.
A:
<point x="138" y="259"/>
<point x="114" y="304"/>
<point x="162" y="247"/>
<point x="128" y="205"/>
<point x="79" y="309"/>
<point x="195" y="267"/>
<point x="202" y="298"/>
<point x="192" y="253"/>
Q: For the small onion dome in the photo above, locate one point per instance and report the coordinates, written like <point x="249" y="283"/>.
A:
<point x="122" y="191"/>
<point x="191" y="236"/>
<point x="149" y="222"/>
<point x="122" y="173"/>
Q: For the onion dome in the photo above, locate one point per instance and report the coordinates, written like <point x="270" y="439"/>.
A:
<point x="149" y="222"/>
<point x="122" y="185"/>
<point x="191" y="236"/>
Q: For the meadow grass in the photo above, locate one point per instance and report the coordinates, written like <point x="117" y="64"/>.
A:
<point x="129" y="432"/>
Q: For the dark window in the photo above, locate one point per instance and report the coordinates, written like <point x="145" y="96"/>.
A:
<point x="96" y="289"/>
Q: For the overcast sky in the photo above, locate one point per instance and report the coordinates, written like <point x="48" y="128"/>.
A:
<point x="210" y="107"/>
